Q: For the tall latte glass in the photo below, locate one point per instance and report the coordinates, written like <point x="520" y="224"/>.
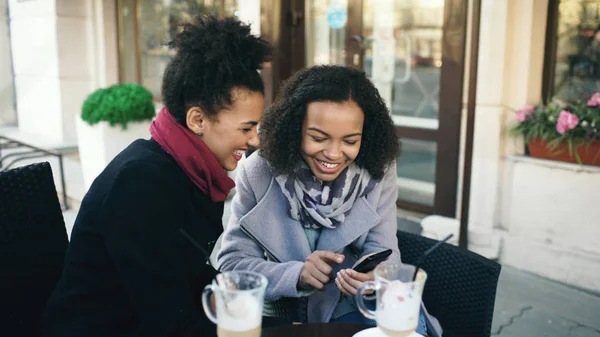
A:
<point x="238" y="299"/>
<point x="398" y="298"/>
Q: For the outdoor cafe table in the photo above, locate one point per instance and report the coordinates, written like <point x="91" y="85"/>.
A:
<point x="315" y="330"/>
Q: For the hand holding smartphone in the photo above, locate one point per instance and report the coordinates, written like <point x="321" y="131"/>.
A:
<point x="371" y="261"/>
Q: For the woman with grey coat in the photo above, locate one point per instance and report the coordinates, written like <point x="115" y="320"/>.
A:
<point x="319" y="196"/>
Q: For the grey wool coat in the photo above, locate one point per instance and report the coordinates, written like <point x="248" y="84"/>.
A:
<point x="262" y="237"/>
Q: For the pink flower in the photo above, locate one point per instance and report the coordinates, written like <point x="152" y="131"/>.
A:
<point x="566" y="121"/>
<point x="594" y="100"/>
<point x="529" y="108"/>
<point x="521" y="114"/>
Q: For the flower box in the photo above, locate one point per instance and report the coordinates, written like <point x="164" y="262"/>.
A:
<point x="563" y="131"/>
<point x="587" y="154"/>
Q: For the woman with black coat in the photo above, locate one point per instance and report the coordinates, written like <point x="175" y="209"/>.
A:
<point x="138" y="257"/>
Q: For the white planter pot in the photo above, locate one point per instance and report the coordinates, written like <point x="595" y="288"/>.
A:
<point x="100" y="143"/>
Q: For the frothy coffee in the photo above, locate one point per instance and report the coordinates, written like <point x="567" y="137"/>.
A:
<point x="221" y="332"/>
<point x="398" y="309"/>
<point x="239" y="317"/>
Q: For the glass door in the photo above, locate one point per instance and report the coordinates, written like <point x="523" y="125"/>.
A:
<point x="413" y="51"/>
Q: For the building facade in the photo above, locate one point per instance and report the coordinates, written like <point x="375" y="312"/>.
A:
<point x="533" y="214"/>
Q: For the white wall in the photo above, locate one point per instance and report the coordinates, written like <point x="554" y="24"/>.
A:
<point x="7" y="101"/>
<point x="75" y="56"/>
<point x="488" y="133"/>
<point x="552" y="220"/>
<point x="52" y="48"/>
<point x="510" y="68"/>
<point x="104" y="31"/>
<point x="488" y="110"/>
<point x="35" y="62"/>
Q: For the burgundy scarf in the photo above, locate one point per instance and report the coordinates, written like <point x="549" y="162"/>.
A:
<point x="192" y="155"/>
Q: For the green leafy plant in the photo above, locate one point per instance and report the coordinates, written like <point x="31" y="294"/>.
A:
<point x="557" y="122"/>
<point x="118" y="104"/>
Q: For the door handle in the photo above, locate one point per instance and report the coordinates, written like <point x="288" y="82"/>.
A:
<point x="360" y="41"/>
<point x="407" y="60"/>
<point x="357" y="38"/>
<point x="296" y="17"/>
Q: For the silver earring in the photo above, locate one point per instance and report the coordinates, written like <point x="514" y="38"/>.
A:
<point x="199" y="133"/>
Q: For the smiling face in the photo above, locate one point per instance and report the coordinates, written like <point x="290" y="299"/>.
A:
<point x="233" y="130"/>
<point x="331" y="137"/>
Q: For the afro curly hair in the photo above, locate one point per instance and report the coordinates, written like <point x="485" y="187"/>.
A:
<point x="281" y="127"/>
<point x="213" y="57"/>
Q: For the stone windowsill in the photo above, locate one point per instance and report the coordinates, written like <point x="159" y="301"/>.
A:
<point x="554" y="164"/>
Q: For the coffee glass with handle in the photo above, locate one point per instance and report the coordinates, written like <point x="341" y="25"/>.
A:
<point x="238" y="300"/>
<point x="398" y="298"/>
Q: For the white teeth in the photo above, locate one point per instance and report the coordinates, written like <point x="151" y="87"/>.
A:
<point x="328" y="165"/>
<point x="239" y="152"/>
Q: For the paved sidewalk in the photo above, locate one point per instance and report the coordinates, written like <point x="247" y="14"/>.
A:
<point x="529" y="305"/>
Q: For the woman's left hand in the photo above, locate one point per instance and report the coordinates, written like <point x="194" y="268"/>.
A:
<point x="348" y="280"/>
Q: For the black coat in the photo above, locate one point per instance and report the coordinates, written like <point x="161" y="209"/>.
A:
<point x="130" y="269"/>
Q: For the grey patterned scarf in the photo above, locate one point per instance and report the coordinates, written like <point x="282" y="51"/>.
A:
<point x="324" y="204"/>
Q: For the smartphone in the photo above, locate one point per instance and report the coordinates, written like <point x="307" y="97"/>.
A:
<point x="372" y="261"/>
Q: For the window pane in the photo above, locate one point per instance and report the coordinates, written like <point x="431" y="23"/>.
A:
<point x="325" y="37"/>
<point x="578" y="49"/>
<point x="403" y="57"/>
<point x="416" y="171"/>
<point x="158" y="20"/>
<point x="157" y="23"/>
<point x="402" y="43"/>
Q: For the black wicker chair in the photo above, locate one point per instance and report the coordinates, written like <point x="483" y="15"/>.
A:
<point x="287" y="309"/>
<point x="461" y="286"/>
<point x="33" y="242"/>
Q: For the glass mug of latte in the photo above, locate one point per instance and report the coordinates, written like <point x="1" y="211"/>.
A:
<point x="398" y="298"/>
<point x="238" y="298"/>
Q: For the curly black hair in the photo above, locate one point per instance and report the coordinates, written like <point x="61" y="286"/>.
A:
<point x="281" y="127"/>
<point x="213" y="57"/>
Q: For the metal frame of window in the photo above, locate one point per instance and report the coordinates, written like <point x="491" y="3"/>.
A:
<point x="550" y="50"/>
<point x="282" y="24"/>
